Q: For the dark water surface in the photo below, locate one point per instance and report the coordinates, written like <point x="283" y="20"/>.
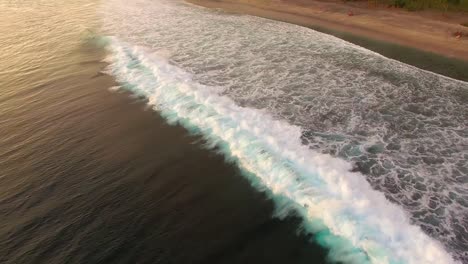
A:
<point x="90" y="176"/>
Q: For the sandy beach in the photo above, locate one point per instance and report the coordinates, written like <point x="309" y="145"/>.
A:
<point x="430" y="31"/>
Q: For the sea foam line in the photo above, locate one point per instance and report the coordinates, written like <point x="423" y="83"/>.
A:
<point x="339" y="207"/>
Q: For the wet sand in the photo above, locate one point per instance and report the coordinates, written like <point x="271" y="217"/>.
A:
<point x="422" y="39"/>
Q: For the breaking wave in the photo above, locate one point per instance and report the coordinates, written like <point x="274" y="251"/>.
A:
<point x="356" y="223"/>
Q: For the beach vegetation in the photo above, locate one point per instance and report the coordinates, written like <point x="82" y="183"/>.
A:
<point x="417" y="5"/>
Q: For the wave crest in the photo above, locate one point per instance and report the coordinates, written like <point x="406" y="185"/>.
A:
<point x="339" y="207"/>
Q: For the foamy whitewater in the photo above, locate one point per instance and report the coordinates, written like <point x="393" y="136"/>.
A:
<point x="298" y="111"/>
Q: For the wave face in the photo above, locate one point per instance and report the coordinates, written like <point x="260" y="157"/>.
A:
<point x="279" y="99"/>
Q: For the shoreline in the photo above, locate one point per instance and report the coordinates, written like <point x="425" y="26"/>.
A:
<point x="421" y="45"/>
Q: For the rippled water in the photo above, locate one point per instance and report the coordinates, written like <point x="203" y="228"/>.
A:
<point x="405" y="129"/>
<point x="89" y="175"/>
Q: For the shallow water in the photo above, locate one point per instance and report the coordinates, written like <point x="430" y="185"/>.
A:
<point x="402" y="128"/>
<point x="90" y="175"/>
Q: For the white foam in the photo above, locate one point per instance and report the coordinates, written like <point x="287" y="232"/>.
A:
<point x="114" y="88"/>
<point x="403" y="127"/>
<point x="363" y="225"/>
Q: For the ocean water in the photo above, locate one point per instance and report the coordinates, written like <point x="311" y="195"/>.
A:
<point x="162" y="132"/>
<point x="370" y="152"/>
<point x="91" y="175"/>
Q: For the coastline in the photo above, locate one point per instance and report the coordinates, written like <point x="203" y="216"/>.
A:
<point x="428" y="43"/>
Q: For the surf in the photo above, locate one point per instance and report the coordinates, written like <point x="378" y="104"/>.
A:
<point x="356" y="223"/>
